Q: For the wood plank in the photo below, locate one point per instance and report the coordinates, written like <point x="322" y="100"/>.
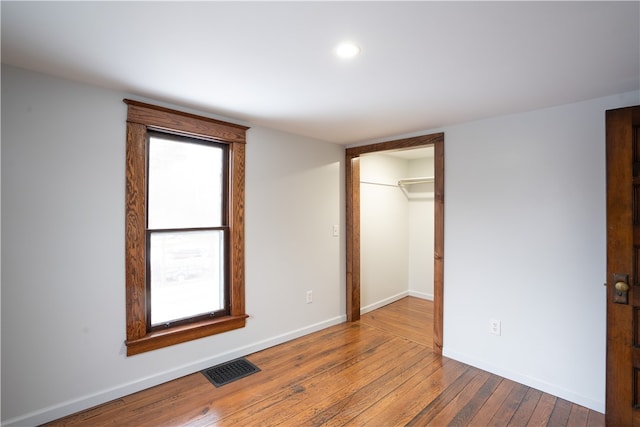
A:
<point x="404" y="402"/>
<point x="493" y="403"/>
<point x="525" y="410"/>
<point x="509" y="406"/>
<point x="541" y="414"/>
<point x="435" y="412"/>
<point x="455" y="407"/>
<point x="595" y="419"/>
<point x="560" y="414"/>
<point x="578" y="416"/>
<point x="476" y="401"/>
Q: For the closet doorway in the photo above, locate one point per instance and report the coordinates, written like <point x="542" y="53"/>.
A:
<point x="352" y="173"/>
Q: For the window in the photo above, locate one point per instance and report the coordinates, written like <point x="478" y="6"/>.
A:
<point x="187" y="230"/>
<point x="184" y="227"/>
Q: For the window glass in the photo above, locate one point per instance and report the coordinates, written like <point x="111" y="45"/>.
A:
<point x="185" y="184"/>
<point x="187" y="274"/>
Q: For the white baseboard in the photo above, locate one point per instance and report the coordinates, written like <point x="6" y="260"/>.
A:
<point x="72" y="406"/>
<point x="383" y="302"/>
<point x="422" y="295"/>
<point x="536" y="383"/>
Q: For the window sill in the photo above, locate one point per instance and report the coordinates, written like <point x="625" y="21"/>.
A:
<point x="184" y="333"/>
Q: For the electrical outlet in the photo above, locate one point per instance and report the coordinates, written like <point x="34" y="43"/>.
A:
<point x="309" y="297"/>
<point x="494" y="326"/>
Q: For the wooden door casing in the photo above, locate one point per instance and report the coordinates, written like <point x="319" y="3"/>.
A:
<point x="352" y="172"/>
<point x="623" y="256"/>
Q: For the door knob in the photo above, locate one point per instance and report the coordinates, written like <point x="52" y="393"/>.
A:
<point x="621" y="288"/>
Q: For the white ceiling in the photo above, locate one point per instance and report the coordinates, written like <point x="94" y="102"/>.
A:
<point x="423" y="65"/>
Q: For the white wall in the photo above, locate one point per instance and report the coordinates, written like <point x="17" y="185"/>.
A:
<point x="384" y="231"/>
<point x="63" y="291"/>
<point x="525" y="243"/>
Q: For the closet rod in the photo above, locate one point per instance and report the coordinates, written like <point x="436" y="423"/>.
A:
<point x="378" y="183"/>
<point x="421" y="180"/>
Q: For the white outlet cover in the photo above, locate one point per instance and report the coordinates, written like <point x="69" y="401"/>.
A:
<point x="494" y="326"/>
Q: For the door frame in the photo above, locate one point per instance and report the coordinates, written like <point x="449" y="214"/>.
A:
<point x="352" y="181"/>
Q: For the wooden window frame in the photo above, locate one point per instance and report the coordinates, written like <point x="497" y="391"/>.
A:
<point x="142" y="118"/>
<point x="222" y="227"/>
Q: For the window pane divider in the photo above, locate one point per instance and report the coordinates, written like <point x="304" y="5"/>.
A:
<point x="176" y="230"/>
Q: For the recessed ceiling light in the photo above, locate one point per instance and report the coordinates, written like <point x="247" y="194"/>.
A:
<point x="347" y="50"/>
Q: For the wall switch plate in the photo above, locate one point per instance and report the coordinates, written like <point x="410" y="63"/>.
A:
<point x="309" y="297"/>
<point x="336" y="231"/>
<point x="494" y="326"/>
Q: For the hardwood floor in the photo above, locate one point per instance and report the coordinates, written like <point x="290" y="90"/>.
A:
<point x="379" y="371"/>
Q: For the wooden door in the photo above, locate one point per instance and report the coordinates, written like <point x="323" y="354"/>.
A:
<point x="623" y="271"/>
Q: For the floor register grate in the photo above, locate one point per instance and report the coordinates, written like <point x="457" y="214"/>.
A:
<point x="227" y="372"/>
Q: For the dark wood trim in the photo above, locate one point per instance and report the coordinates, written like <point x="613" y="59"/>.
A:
<point x="438" y="249"/>
<point x="236" y="225"/>
<point x="135" y="246"/>
<point x="352" y="182"/>
<point x="166" y="119"/>
<point x="399" y="144"/>
<point x="353" y="237"/>
<point x="164" y="338"/>
<point x="140" y="119"/>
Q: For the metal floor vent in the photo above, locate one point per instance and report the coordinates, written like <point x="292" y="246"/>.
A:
<point x="227" y="372"/>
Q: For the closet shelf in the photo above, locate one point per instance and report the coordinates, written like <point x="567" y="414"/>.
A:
<point x="402" y="183"/>
<point x="420" y="180"/>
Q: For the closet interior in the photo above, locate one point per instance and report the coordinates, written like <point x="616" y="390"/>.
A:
<point x="396" y="226"/>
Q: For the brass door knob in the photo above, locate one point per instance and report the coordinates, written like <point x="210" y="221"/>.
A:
<point x="621" y="287"/>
